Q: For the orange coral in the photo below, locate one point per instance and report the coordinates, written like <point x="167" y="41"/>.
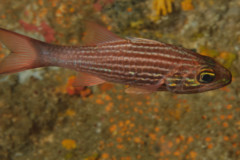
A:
<point x="108" y="108"/>
<point x="105" y="156"/>
<point x="193" y="154"/>
<point x="187" y="5"/>
<point x="161" y="7"/>
<point x="210" y="146"/>
<point x="73" y="90"/>
<point x="190" y="140"/>
<point x="113" y="128"/>
<point x="106" y="86"/>
<point x="69" y="144"/>
<point x="85" y="92"/>
<point x="226" y="138"/>
<point x="70" y="113"/>
<point x="129" y="9"/>
<point x="2" y="56"/>
<point x="137" y="140"/>
<point x="225" y="124"/>
<point x="99" y="101"/>
<point x="229" y="106"/>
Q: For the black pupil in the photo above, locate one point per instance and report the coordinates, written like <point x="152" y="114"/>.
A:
<point x="207" y="78"/>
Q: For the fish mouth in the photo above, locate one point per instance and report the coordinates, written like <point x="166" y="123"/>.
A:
<point x="214" y="86"/>
<point x="202" y="89"/>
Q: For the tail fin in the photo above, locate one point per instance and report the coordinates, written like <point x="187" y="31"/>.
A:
<point x="24" y="52"/>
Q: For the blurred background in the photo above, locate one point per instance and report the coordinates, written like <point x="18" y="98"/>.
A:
<point x="43" y="117"/>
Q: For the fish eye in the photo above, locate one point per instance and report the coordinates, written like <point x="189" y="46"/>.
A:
<point x="206" y="76"/>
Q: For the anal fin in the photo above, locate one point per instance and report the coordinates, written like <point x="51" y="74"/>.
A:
<point x="138" y="90"/>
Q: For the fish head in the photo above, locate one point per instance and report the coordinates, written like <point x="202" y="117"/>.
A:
<point x="207" y="75"/>
<point x="212" y="75"/>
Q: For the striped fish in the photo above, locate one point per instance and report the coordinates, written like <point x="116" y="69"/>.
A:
<point x="145" y="65"/>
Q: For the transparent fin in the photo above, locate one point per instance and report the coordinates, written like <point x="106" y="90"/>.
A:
<point x="95" y="34"/>
<point x="24" y="54"/>
<point x="142" y="40"/>
<point x="136" y="90"/>
<point x="84" y="79"/>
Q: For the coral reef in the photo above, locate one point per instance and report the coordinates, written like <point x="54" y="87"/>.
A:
<point x="161" y="8"/>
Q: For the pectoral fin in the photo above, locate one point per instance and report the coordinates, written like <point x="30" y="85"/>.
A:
<point x="84" y="79"/>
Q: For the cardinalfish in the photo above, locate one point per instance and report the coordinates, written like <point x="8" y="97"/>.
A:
<point x="144" y="65"/>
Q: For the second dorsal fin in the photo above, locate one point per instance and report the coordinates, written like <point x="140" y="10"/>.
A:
<point x="142" y="40"/>
<point x="95" y="34"/>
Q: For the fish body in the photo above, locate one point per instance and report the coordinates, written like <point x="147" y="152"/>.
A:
<point x="145" y="65"/>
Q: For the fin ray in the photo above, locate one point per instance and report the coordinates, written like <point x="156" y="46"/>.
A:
<point x="84" y="79"/>
<point x="142" y="40"/>
<point x="24" y="55"/>
<point x="138" y="90"/>
<point x="95" y="34"/>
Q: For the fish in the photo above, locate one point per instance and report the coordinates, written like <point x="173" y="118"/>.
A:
<point x="144" y="65"/>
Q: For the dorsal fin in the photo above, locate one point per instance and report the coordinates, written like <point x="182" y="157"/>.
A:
<point x="95" y="34"/>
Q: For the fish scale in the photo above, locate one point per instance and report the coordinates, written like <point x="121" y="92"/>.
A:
<point x="145" y="65"/>
<point x="123" y="64"/>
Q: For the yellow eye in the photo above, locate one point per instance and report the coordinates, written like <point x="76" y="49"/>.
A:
<point x="206" y="76"/>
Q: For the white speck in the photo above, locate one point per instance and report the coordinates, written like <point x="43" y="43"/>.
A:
<point x="99" y="129"/>
<point x="24" y="76"/>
